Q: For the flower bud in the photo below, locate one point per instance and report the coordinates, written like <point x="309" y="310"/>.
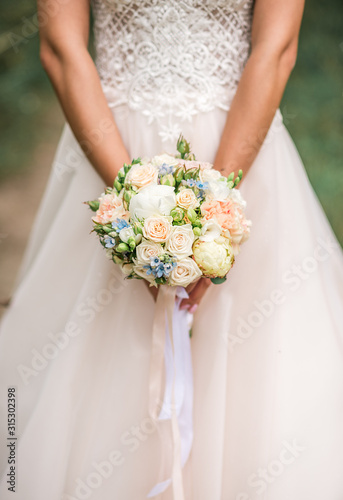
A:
<point x="196" y="231"/>
<point x="127" y="196"/>
<point x="132" y="243"/>
<point x="191" y="173"/>
<point x="178" y="214"/>
<point x="230" y="184"/>
<point x="237" y="181"/>
<point x="121" y="176"/>
<point x="138" y="229"/>
<point x="231" y="177"/>
<point x="168" y="180"/>
<point x="182" y="146"/>
<point x="191" y="214"/>
<point x="93" y="205"/>
<point x="117" y="185"/>
<point x="179" y="173"/>
<point x="197" y="223"/>
<point x="122" y="247"/>
<point x="107" y="229"/>
<point x="126" y="167"/>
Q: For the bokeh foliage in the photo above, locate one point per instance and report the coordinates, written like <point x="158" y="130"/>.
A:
<point x="312" y="104"/>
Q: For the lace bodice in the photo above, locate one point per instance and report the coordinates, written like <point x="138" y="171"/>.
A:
<point x="171" y="59"/>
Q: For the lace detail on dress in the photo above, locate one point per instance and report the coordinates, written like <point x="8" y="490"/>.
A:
<point x="171" y="59"/>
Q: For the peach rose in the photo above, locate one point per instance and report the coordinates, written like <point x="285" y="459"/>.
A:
<point x="157" y="228"/>
<point x="187" y="199"/>
<point x="142" y="175"/>
<point x="110" y="208"/>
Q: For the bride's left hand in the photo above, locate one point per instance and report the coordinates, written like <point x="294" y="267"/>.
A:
<point x="196" y="292"/>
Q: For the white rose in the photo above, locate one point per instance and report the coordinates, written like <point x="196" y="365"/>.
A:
<point x="147" y="249"/>
<point x="152" y="201"/>
<point x="210" y="231"/>
<point x="218" y="190"/>
<point x="164" y="158"/>
<point x="126" y="233"/>
<point x="184" y="273"/>
<point x="214" y="258"/>
<point x="141" y="176"/>
<point x="209" y="174"/>
<point x="157" y="228"/>
<point x="180" y="241"/>
<point x="187" y="199"/>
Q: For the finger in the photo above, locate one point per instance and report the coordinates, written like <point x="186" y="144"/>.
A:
<point x="196" y="295"/>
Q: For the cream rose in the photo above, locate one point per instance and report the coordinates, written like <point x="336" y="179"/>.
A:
<point x="180" y="241"/>
<point x="141" y="176"/>
<point x="184" y="273"/>
<point x="147" y="249"/>
<point x="157" y="228"/>
<point x="187" y="199"/>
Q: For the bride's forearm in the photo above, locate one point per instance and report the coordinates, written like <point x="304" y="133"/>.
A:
<point x="78" y="88"/>
<point x="258" y="96"/>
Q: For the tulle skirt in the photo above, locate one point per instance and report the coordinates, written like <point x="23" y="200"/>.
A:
<point x="266" y="346"/>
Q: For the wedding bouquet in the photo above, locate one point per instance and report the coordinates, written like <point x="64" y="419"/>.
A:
<point x="171" y="219"/>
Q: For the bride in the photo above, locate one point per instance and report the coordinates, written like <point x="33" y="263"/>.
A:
<point x="75" y="343"/>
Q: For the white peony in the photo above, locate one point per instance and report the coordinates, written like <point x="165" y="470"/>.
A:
<point x="184" y="273"/>
<point x="214" y="258"/>
<point x="180" y="241"/>
<point x="153" y="200"/>
<point x="126" y="233"/>
<point x="210" y="231"/>
<point x="147" y="249"/>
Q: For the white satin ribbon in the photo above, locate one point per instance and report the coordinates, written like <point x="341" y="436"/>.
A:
<point x="177" y="403"/>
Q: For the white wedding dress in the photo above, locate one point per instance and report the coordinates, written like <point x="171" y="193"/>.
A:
<point x="266" y="345"/>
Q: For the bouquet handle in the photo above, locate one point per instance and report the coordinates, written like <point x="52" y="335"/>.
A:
<point x="171" y="381"/>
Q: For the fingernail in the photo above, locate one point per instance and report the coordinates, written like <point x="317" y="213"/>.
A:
<point x="193" y="308"/>
<point x="185" y="306"/>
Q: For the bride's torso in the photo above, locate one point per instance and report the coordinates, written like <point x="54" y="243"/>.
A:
<point x="171" y="59"/>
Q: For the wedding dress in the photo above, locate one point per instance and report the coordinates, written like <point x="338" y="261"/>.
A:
<point x="266" y="345"/>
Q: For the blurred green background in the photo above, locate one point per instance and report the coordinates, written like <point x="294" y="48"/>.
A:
<point x="312" y="105"/>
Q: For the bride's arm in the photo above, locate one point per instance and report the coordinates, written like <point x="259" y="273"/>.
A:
<point x="275" y="31"/>
<point x="65" y="58"/>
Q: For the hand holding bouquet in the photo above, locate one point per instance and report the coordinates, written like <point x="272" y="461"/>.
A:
<point x="171" y="219"/>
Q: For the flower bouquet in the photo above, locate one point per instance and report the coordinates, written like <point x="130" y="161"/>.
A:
<point x="171" y="219"/>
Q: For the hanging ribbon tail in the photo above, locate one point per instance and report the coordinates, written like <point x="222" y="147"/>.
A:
<point x="177" y="403"/>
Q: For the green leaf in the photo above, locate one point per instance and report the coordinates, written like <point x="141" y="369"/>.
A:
<point x="218" y="281"/>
